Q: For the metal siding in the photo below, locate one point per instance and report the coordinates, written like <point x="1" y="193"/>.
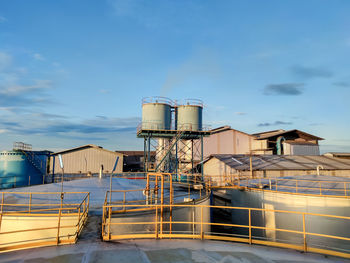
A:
<point x="74" y="162"/>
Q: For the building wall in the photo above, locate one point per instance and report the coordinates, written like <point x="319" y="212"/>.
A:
<point x="87" y="160"/>
<point x="227" y="142"/>
<point x="300" y="149"/>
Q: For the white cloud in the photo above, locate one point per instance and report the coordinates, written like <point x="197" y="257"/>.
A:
<point x="5" y="60"/>
<point x="104" y="91"/>
<point x="38" y="56"/>
<point x="2" y="19"/>
<point x="240" y="113"/>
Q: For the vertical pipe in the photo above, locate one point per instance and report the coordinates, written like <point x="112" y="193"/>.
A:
<point x="202" y="167"/>
<point x="192" y="157"/>
<point x="304" y="233"/>
<point x="250" y="226"/>
<point x="156" y="223"/>
<point x="58" y="226"/>
<point x="109" y="221"/>
<point x="202" y="234"/>
<point x="144" y="153"/>
<point x="148" y="152"/>
<point x="162" y="203"/>
<point x="30" y="202"/>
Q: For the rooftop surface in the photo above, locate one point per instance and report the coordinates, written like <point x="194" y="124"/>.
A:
<point x="160" y="251"/>
<point x="283" y="162"/>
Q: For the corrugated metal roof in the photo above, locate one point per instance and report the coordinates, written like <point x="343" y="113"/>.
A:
<point x="282" y="162"/>
<point x="282" y="132"/>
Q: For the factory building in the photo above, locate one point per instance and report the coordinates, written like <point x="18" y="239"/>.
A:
<point x="133" y="161"/>
<point x="225" y="140"/>
<point x="86" y="159"/>
<point x="220" y="166"/>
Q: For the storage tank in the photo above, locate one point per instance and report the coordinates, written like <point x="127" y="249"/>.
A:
<point x="156" y="113"/>
<point x="189" y="115"/>
<point x="19" y="168"/>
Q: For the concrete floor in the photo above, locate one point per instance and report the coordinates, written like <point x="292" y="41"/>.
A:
<point x="90" y="248"/>
<point x="159" y="251"/>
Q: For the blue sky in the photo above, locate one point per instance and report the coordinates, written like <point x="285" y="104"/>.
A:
<point x="74" y="72"/>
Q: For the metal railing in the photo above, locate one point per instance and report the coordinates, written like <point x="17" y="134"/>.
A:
<point x="116" y="226"/>
<point x="40" y="224"/>
<point x="282" y="185"/>
<point x="157" y="99"/>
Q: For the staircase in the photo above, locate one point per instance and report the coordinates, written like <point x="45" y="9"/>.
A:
<point x="178" y="136"/>
<point x="35" y="161"/>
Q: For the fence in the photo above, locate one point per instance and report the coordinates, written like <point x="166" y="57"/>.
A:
<point x="283" y="185"/>
<point x="39" y="219"/>
<point x="145" y="221"/>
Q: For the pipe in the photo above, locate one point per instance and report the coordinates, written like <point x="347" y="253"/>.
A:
<point x="279" y="144"/>
<point x="318" y="169"/>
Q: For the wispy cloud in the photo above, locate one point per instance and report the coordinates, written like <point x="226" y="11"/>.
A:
<point x="3" y="19"/>
<point x="276" y="123"/>
<point x="342" y="84"/>
<point x="288" y="89"/>
<point x="24" y="96"/>
<point x="203" y="64"/>
<point x="47" y="124"/>
<point x="240" y="113"/>
<point x="38" y="56"/>
<point x="311" y="72"/>
<point x="104" y="91"/>
<point x="5" y="61"/>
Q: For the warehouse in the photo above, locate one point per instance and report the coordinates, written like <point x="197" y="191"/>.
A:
<point x="225" y="140"/>
<point x="221" y="166"/>
<point x="86" y="159"/>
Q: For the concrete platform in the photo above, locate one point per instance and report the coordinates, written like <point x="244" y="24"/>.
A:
<point x="159" y="251"/>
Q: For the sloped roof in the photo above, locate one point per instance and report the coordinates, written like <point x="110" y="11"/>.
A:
<point x="85" y="147"/>
<point x="282" y="162"/>
<point x="261" y="136"/>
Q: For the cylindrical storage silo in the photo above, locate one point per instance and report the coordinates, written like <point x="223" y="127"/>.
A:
<point x="189" y="116"/>
<point x="21" y="169"/>
<point x="156" y="114"/>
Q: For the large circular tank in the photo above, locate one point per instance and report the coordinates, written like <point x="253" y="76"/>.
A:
<point x="156" y="113"/>
<point x="19" y="169"/>
<point x="189" y="115"/>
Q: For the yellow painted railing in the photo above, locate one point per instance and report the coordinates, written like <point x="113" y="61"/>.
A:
<point x="282" y="185"/>
<point x="36" y="224"/>
<point x="200" y="227"/>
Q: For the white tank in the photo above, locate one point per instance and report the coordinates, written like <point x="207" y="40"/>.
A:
<point x="156" y="113"/>
<point x="189" y="115"/>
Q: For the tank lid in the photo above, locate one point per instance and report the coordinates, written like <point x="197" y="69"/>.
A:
<point x="157" y="99"/>
<point x="190" y="102"/>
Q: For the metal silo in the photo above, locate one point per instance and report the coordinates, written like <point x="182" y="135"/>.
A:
<point x="22" y="168"/>
<point x="156" y="113"/>
<point x="189" y="115"/>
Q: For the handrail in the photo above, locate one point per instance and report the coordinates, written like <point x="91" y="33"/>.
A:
<point x="160" y="225"/>
<point x="272" y="183"/>
<point x="76" y="213"/>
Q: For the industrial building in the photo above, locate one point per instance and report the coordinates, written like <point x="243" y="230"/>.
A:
<point x="133" y="161"/>
<point x="219" y="166"/>
<point x="86" y="159"/>
<point x="225" y="140"/>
